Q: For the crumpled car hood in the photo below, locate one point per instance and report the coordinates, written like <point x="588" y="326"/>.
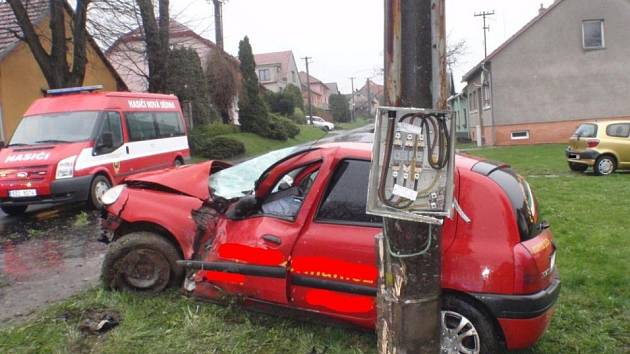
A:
<point x="191" y="180"/>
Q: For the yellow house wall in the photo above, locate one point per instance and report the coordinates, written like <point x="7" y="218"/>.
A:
<point x="22" y="82"/>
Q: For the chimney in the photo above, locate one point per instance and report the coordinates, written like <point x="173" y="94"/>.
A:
<point x="542" y="9"/>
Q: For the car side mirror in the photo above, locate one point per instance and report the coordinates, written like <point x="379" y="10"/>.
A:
<point x="245" y="207"/>
<point x="283" y="186"/>
<point x="106" y="141"/>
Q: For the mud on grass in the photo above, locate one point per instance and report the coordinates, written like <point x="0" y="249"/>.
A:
<point x="173" y="323"/>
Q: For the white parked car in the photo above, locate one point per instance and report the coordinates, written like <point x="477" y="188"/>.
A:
<point x="320" y="123"/>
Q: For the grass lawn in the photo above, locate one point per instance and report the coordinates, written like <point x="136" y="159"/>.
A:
<point x="360" y="122"/>
<point x="256" y="145"/>
<point x="589" y="217"/>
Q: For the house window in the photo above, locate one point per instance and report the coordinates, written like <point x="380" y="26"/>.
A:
<point x="293" y="76"/>
<point x="520" y="135"/>
<point x="486" y="96"/>
<point x="263" y="75"/>
<point x="593" y="34"/>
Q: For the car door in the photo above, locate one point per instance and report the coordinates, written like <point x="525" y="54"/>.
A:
<point x="111" y="157"/>
<point x="333" y="267"/>
<point x="619" y="141"/>
<point x="261" y="244"/>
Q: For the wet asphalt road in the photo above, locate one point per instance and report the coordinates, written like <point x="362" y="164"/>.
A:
<point x="51" y="253"/>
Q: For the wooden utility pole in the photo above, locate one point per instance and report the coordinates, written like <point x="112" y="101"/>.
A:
<point x="369" y="96"/>
<point x="218" y="22"/>
<point x="409" y="293"/>
<point x="486" y="29"/>
<point x="308" y="87"/>
<point x="352" y="118"/>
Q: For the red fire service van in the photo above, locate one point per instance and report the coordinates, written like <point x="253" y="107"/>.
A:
<point x="76" y="143"/>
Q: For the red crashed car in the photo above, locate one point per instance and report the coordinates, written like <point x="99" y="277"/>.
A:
<point x="289" y="230"/>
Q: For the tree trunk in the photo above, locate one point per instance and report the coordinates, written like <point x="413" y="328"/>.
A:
<point x="54" y="65"/>
<point x="157" y="42"/>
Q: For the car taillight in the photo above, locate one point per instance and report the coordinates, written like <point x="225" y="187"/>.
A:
<point x="591" y="143"/>
<point x="534" y="264"/>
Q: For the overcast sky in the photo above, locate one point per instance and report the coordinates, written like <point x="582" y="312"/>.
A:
<point x="345" y="37"/>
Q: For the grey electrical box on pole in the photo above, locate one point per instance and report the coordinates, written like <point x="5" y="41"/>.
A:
<point x="409" y="255"/>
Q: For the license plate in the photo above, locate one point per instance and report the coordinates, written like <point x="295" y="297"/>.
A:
<point x="23" y="193"/>
<point x="574" y="156"/>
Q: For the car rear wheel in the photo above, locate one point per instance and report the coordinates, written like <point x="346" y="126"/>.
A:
<point x="100" y="185"/>
<point x="14" y="210"/>
<point x="141" y="262"/>
<point x="605" y="165"/>
<point x="466" y="330"/>
<point x="178" y="162"/>
<point x="577" y="167"/>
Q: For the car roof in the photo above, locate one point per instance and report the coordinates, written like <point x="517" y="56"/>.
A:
<point x="364" y="151"/>
<point x="609" y="122"/>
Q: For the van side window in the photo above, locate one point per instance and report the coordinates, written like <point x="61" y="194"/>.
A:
<point x="169" y="124"/>
<point x="141" y="126"/>
<point x="113" y="126"/>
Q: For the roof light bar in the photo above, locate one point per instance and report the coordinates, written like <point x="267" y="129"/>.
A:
<point x="70" y="90"/>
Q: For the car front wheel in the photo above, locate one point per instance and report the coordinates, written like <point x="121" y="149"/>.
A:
<point x="141" y="262"/>
<point x="466" y="330"/>
<point x="577" y="167"/>
<point x="100" y="185"/>
<point x="605" y="165"/>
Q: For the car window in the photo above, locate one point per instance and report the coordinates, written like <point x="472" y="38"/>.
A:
<point x="586" y="131"/>
<point x="618" y="130"/>
<point x="289" y="193"/>
<point x="169" y="124"/>
<point x="346" y="196"/>
<point x="141" y="126"/>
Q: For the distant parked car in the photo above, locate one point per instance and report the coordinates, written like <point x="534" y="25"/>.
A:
<point x="605" y="146"/>
<point x="320" y="123"/>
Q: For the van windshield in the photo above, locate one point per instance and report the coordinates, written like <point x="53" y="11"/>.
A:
<point x="67" y="127"/>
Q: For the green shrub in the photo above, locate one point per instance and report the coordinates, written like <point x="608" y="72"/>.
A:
<point x="219" y="147"/>
<point x="298" y="116"/>
<point x="220" y="129"/>
<point x="292" y="129"/>
<point x="200" y="137"/>
<point x="277" y="129"/>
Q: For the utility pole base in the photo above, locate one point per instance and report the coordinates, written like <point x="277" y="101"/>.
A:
<point x="407" y="323"/>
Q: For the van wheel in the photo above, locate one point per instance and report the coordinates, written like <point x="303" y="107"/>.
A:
<point x="605" y="165"/>
<point x="141" y="262"/>
<point x="178" y="162"/>
<point x="100" y="185"/>
<point x="14" y="210"/>
<point x="577" y="167"/>
<point x="466" y="330"/>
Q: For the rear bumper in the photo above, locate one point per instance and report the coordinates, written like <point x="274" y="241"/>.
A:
<point x="523" y="318"/>
<point x="69" y="190"/>
<point x="586" y="157"/>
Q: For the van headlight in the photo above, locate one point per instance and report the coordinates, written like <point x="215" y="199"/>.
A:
<point x="111" y="196"/>
<point x="65" y="168"/>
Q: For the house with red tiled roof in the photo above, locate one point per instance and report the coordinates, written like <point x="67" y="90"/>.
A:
<point x="277" y="70"/>
<point x="320" y="92"/>
<point x="21" y="79"/>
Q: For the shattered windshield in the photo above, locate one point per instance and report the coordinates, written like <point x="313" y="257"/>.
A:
<point x="239" y="180"/>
